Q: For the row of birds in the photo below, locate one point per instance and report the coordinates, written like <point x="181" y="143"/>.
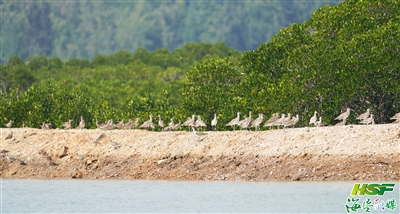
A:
<point x="276" y="120"/>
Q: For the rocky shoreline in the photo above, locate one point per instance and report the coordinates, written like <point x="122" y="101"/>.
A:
<point x="352" y="152"/>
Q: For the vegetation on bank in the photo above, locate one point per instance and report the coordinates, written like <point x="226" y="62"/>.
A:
<point x="343" y="56"/>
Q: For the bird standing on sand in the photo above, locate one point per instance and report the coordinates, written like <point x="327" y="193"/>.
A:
<point x="313" y="119"/>
<point x="160" y="122"/>
<point x="343" y="123"/>
<point x="214" y="123"/>
<point x="294" y="120"/>
<point x="246" y="122"/>
<point x="190" y="122"/>
<point x="170" y="126"/>
<point x="115" y="145"/>
<point x="148" y="124"/>
<point x="364" y="115"/>
<point x="234" y="121"/>
<point x="396" y="117"/>
<point x="67" y="125"/>
<point x="9" y="124"/>
<point x="270" y="121"/>
<point x="369" y="120"/>
<point x="344" y="115"/>
<point x="279" y="121"/>
<point x="199" y="122"/>
<point x="256" y="123"/>
<point x="319" y="122"/>
<point x="81" y="124"/>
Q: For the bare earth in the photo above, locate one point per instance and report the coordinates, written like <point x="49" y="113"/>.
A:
<point x="352" y="152"/>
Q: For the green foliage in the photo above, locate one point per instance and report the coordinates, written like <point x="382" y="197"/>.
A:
<point x="343" y="56"/>
<point x="85" y="29"/>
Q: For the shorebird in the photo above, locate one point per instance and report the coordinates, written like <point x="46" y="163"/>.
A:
<point x="136" y="123"/>
<point x="160" y="122"/>
<point x="81" y="124"/>
<point x="128" y="125"/>
<point x="270" y="121"/>
<point x="287" y="121"/>
<point x="396" y="117"/>
<point x="294" y="120"/>
<point x="148" y="124"/>
<point x="344" y="115"/>
<point x="246" y="122"/>
<point x="313" y="119"/>
<point x="319" y="122"/>
<point x="101" y="125"/>
<point x="170" y="126"/>
<point x="279" y="121"/>
<point x="67" y="125"/>
<point x="177" y="125"/>
<point x="369" y="120"/>
<point x="9" y="124"/>
<point x="189" y="123"/>
<point x="199" y="122"/>
<point x="256" y="123"/>
<point x="79" y="157"/>
<point x="46" y="126"/>
<point x="234" y="121"/>
<point x="214" y="123"/>
<point x="343" y="123"/>
<point x="120" y="124"/>
<point x="364" y="115"/>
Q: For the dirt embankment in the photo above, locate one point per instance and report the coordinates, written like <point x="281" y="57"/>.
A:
<point x="310" y="154"/>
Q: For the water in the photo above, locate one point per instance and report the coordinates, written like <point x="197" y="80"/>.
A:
<point x="94" y="196"/>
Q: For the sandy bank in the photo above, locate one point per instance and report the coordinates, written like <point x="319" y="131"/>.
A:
<point x="352" y="152"/>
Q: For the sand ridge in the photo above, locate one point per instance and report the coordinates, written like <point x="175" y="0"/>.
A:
<point x="352" y="152"/>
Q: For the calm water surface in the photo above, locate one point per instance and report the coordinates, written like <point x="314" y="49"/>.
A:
<point x="94" y="196"/>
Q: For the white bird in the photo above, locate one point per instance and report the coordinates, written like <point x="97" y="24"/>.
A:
<point x="319" y="122"/>
<point x="214" y="123"/>
<point x="343" y="123"/>
<point x="67" y="125"/>
<point x="9" y="124"/>
<point x="148" y="124"/>
<point x="294" y="120"/>
<point x="199" y="122"/>
<point x="170" y="126"/>
<point x="344" y="115"/>
<point x="160" y="122"/>
<point x="234" y="121"/>
<point x="81" y="124"/>
<point x="369" y="120"/>
<point x="396" y="117"/>
<point x="270" y="121"/>
<point x="177" y="126"/>
<point x="190" y="122"/>
<point x="279" y="121"/>
<point x="314" y="118"/>
<point x="256" y="123"/>
<point x="285" y="122"/>
<point x="364" y="115"/>
<point x="120" y="124"/>
<point x="246" y="122"/>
